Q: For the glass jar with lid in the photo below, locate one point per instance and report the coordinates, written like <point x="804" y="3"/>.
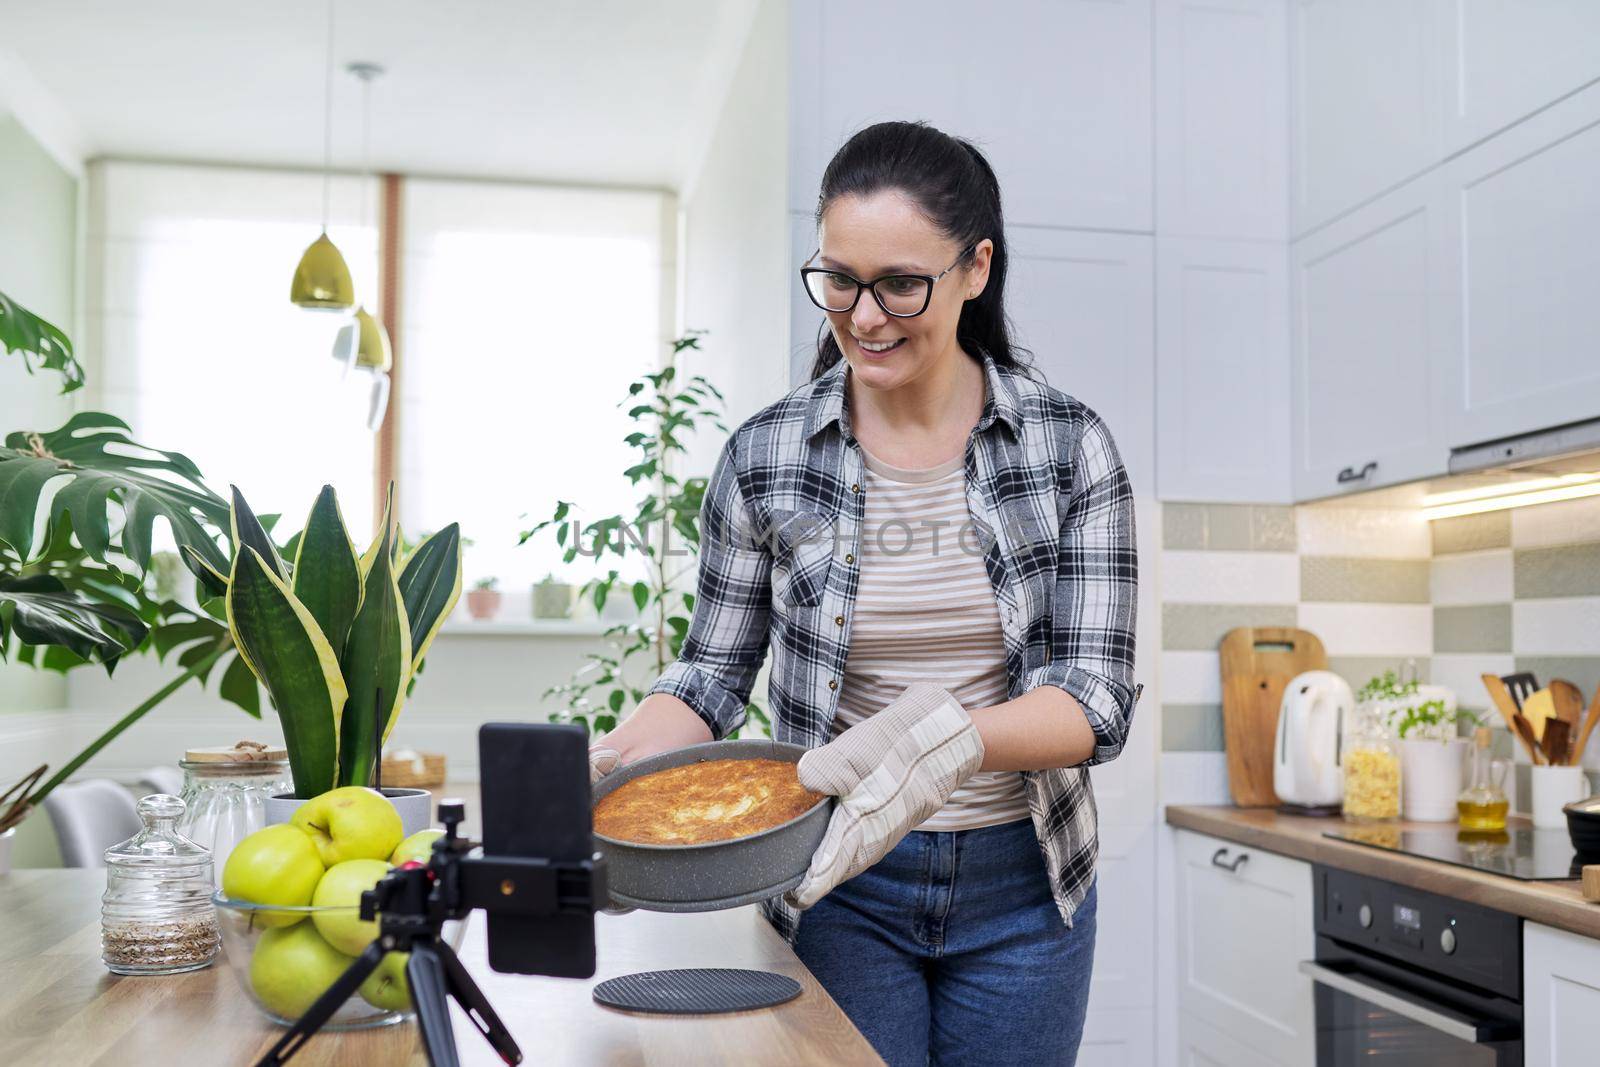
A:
<point x="225" y="791"/>
<point x="156" y="916"/>
<point x="1371" y="765"/>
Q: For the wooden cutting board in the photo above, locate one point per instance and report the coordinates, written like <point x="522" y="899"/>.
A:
<point x="1258" y="662"/>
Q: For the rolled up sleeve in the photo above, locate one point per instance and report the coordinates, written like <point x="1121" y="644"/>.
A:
<point x="728" y="629"/>
<point x="1096" y="594"/>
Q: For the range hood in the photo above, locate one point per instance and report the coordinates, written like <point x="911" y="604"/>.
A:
<point x="1561" y="450"/>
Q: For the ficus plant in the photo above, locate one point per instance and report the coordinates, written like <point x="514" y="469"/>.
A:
<point x="664" y="529"/>
<point x="336" y="638"/>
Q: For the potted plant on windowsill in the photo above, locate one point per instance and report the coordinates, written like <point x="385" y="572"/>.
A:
<point x="1431" y="749"/>
<point x="337" y="639"/>
<point x="483" y="601"/>
<point x="553" y="599"/>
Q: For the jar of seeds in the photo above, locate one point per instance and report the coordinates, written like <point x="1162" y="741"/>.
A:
<point x="156" y="916"/>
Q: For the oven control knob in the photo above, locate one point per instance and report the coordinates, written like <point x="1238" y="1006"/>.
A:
<point x="1447" y="940"/>
<point x="1364" y="916"/>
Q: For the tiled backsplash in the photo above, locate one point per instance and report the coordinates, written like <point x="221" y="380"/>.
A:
<point x="1357" y="578"/>
<point x="1519" y="591"/>
<point x="1502" y="591"/>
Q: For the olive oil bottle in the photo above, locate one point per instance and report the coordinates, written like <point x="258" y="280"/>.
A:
<point x="1483" y="804"/>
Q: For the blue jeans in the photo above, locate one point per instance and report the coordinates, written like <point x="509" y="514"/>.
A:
<point x="950" y="950"/>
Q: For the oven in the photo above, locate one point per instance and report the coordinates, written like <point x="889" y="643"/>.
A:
<point x="1410" y="978"/>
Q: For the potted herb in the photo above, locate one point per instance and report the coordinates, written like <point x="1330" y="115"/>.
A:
<point x="336" y="639"/>
<point x="552" y="599"/>
<point x="483" y="599"/>
<point x="1425" y="718"/>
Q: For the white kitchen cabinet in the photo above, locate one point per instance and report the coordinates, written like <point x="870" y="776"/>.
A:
<point x="1082" y="302"/>
<point x="1203" y="1045"/>
<point x="1504" y="61"/>
<point x="1366" y="99"/>
<point x="1560" y="997"/>
<point x="1373" y="296"/>
<point x="1056" y="92"/>
<point x="1222" y="361"/>
<point x="1222" y="119"/>
<point x="1244" y="923"/>
<point x="1521" y="214"/>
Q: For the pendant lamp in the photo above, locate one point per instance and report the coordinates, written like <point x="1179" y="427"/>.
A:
<point x="372" y="350"/>
<point x="322" y="279"/>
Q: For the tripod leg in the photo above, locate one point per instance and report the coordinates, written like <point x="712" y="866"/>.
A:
<point x="323" y="1008"/>
<point x="482" y="1014"/>
<point x="426" y="974"/>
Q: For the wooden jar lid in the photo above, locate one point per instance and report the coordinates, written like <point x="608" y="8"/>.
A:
<point x="243" y="752"/>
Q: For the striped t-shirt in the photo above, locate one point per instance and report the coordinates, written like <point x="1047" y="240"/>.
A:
<point x="925" y="612"/>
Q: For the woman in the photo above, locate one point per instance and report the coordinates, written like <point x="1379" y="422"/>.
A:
<point x="940" y="551"/>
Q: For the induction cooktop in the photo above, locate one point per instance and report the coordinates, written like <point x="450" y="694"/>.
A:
<point x="1517" y="852"/>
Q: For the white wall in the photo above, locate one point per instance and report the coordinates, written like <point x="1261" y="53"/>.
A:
<point x="735" y="244"/>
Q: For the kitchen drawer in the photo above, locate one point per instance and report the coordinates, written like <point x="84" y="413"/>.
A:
<point x="1244" y="922"/>
<point x="1560" y="996"/>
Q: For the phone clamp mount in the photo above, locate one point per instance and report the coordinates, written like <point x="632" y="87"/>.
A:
<point x="412" y="905"/>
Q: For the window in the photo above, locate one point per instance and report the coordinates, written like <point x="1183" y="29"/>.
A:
<point x="526" y="311"/>
<point x="193" y="341"/>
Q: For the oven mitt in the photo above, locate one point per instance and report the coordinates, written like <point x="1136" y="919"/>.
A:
<point x="602" y="761"/>
<point x="890" y="772"/>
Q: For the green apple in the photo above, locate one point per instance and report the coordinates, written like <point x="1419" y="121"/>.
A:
<point x="275" y="865"/>
<point x="291" y="967"/>
<point x="387" y="987"/>
<point x="352" y="823"/>
<point x="341" y="888"/>
<point x="419" y="847"/>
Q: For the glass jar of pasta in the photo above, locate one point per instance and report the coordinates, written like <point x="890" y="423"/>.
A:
<point x="1371" y="766"/>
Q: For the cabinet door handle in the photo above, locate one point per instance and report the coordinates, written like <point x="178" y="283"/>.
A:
<point x="1350" y="474"/>
<point x="1218" y="861"/>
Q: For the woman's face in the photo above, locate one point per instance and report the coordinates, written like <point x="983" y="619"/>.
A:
<point x="885" y="233"/>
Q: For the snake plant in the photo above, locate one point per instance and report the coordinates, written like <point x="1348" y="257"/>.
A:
<point x="335" y="638"/>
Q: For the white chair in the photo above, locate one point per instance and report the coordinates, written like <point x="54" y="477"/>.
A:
<point x="89" y="817"/>
<point x="163" y="778"/>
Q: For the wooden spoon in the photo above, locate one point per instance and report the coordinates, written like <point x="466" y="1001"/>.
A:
<point x="1556" y="741"/>
<point x="1503" y="700"/>
<point x="1569" y="702"/>
<point x="1588" y="725"/>
<point x="1524" y="730"/>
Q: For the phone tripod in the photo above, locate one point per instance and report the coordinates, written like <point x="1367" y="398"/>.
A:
<point x="411" y="906"/>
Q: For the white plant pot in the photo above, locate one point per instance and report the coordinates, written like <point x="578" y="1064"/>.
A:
<point x="414" y="805"/>
<point x="7" y="839"/>
<point x="1430" y="779"/>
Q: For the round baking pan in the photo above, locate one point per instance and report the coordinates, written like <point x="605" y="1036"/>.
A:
<point x="717" y="874"/>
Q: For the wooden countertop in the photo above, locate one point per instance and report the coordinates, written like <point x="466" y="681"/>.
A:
<point x="1558" y="903"/>
<point x="59" y="1005"/>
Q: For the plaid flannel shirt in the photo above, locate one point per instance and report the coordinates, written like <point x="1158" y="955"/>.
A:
<point x="1053" y="511"/>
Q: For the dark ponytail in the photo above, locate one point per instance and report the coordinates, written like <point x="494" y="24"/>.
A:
<point x="957" y="190"/>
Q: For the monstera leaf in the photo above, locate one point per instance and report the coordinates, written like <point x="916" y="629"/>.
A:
<point x="22" y="331"/>
<point x="41" y="611"/>
<point x="98" y="464"/>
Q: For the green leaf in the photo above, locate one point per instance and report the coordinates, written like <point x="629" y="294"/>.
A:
<point x="102" y="466"/>
<point x="430" y="585"/>
<point x="239" y="687"/>
<point x="212" y="580"/>
<point x="23" y="331"/>
<point x="617" y="699"/>
<point x="327" y="574"/>
<point x="249" y="533"/>
<point x="376" y="660"/>
<point x="41" y="610"/>
<point x="281" y="644"/>
<point x="641" y="595"/>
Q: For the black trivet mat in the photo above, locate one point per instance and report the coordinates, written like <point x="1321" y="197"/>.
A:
<point x="696" y="991"/>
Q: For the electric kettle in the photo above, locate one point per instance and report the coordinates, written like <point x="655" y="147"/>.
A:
<point x="1306" y="770"/>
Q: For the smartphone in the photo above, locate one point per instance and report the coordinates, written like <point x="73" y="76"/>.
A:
<point x="536" y="803"/>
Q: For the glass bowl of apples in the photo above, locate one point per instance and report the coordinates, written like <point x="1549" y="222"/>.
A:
<point x="286" y="957"/>
<point x="290" y="910"/>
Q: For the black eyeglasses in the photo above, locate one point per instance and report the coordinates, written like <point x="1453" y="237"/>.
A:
<point x="904" y="296"/>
